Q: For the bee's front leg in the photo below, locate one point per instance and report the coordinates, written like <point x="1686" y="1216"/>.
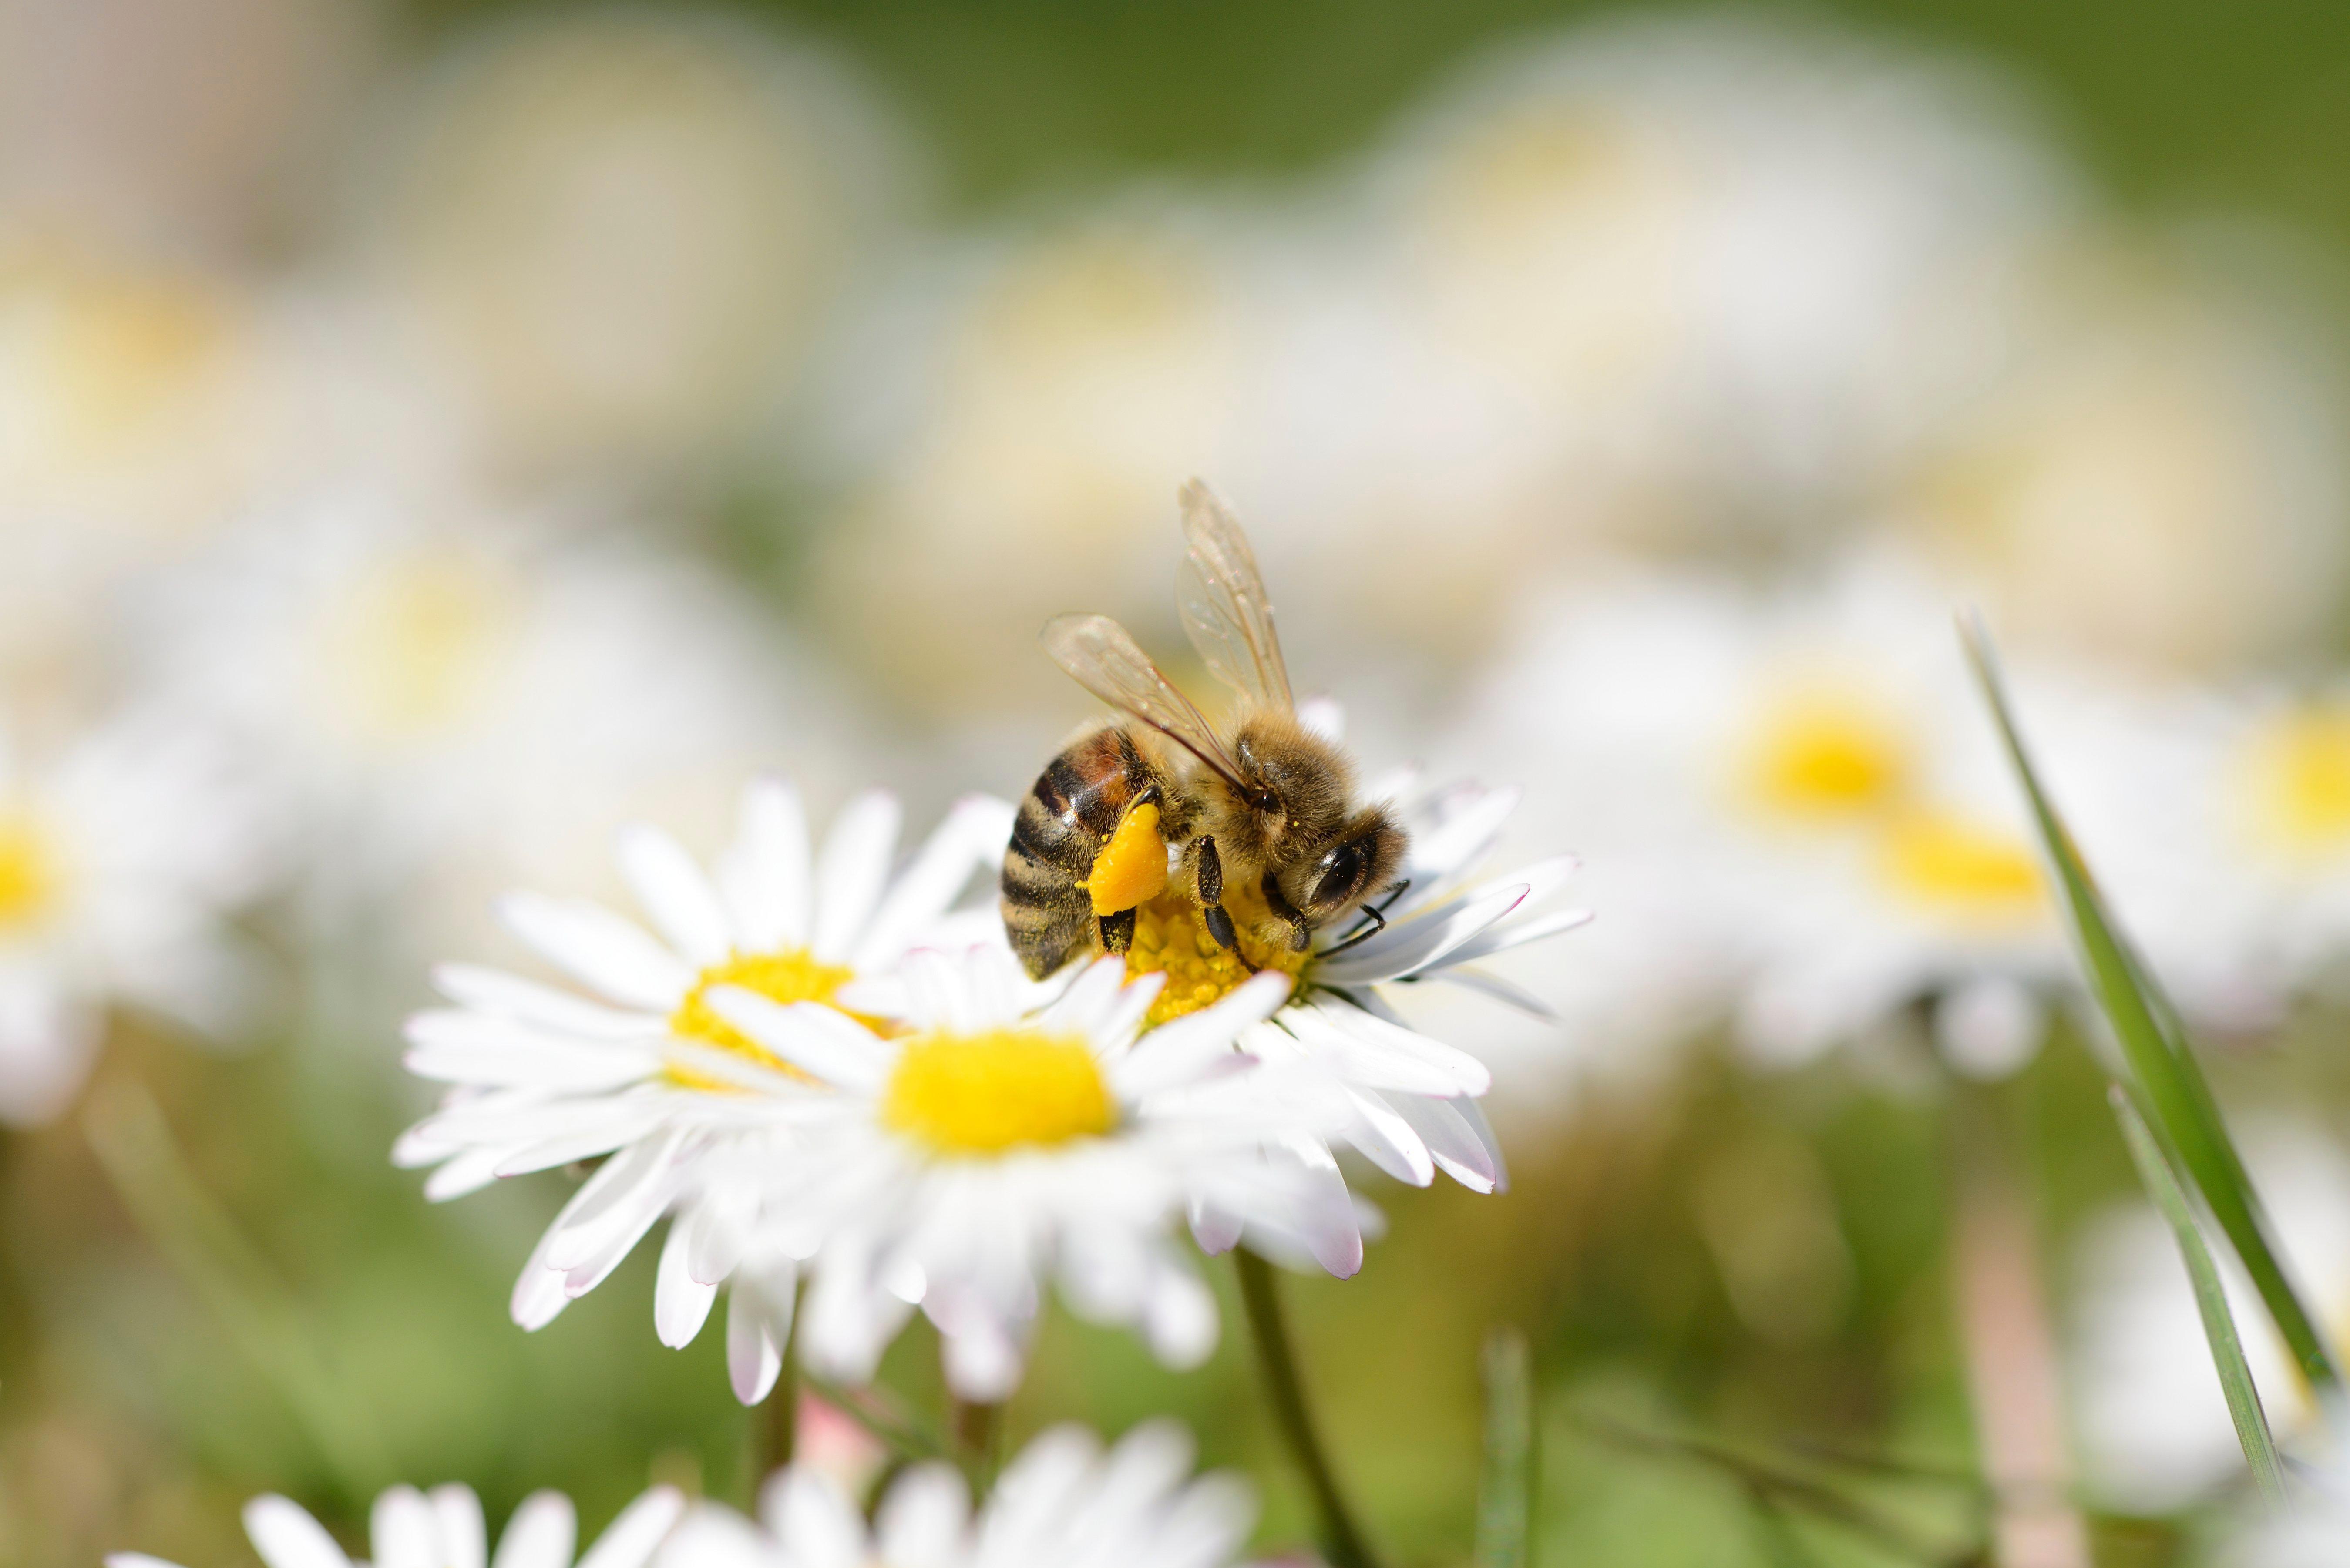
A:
<point x="1300" y="933"/>
<point x="1211" y="900"/>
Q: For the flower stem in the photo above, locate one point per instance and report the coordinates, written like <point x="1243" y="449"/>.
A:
<point x="1260" y="1295"/>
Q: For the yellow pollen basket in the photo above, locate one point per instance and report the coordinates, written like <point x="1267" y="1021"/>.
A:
<point x="28" y="870"/>
<point x="1820" y="759"/>
<point x="1132" y="867"/>
<point x="781" y="978"/>
<point x="986" y="1094"/>
<point x="2300" y="779"/>
<point x="1955" y="867"/>
<point x="1172" y="935"/>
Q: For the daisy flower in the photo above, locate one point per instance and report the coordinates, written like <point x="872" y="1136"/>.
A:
<point x="618" y="233"/>
<point x="1807" y="782"/>
<point x="544" y="1077"/>
<point x="1063" y="1503"/>
<point x="986" y="1145"/>
<point x="2153" y="1423"/>
<point x="459" y="699"/>
<point x="443" y="1529"/>
<point x="123" y="856"/>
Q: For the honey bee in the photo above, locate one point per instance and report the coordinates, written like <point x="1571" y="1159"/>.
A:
<point x="1267" y="806"/>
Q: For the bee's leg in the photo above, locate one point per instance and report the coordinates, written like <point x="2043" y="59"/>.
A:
<point x="1376" y="917"/>
<point x="1300" y="933"/>
<point x="1211" y="900"/>
<point x="1118" y="931"/>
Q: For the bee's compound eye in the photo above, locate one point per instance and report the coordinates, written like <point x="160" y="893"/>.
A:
<point x="1339" y="875"/>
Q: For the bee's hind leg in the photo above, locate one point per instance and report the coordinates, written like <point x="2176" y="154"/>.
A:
<point x="1211" y="902"/>
<point x="1118" y="931"/>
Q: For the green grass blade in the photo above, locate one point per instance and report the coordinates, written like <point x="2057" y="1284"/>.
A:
<point x="2210" y="1299"/>
<point x="2182" y="1116"/>
<point x="1506" y="1491"/>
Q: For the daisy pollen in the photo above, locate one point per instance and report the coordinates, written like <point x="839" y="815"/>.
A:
<point x="785" y="977"/>
<point x="1962" y="869"/>
<point x="30" y="873"/>
<point x="1171" y="938"/>
<point x="1002" y="1089"/>
<point x="1828" y="757"/>
<point x="2301" y="779"/>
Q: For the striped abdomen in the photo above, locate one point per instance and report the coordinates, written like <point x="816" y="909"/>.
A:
<point x="1069" y="814"/>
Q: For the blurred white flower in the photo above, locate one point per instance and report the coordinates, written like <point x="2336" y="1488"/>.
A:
<point x="1062" y="1503"/>
<point x="1012" y="432"/>
<point x="545" y="1077"/>
<point x="623" y="228"/>
<point x="122" y="855"/>
<point x="2314" y="1532"/>
<point x="132" y="423"/>
<point x="461" y="705"/>
<point x="443" y="1529"/>
<point x="986" y="1145"/>
<point x="2151" y="470"/>
<point x="1809" y="786"/>
<point x="2153" y="1423"/>
<point x="1714" y="252"/>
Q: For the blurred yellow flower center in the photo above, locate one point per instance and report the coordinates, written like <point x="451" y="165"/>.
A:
<point x="28" y="870"/>
<point x="1170" y="934"/>
<point x="781" y="978"/>
<point x="411" y="645"/>
<point x="1955" y="867"/>
<point x="112" y="350"/>
<point x="1822" y="759"/>
<point x="2301" y="779"/>
<point x="988" y="1094"/>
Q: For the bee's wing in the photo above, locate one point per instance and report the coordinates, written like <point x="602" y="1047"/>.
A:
<point x="1224" y="605"/>
<point x="1105" y="662"/>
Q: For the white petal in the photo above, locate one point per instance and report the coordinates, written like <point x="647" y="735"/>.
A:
<point x="1179" y="1317"/>
<point x="680" y="1303"/>
<point x="1452" y="1140"/>
<point x="851" y="872"/>
<point x="601" y="949"/>
<point x="1388" y="1141"/>
<point x="636" y="1176"/>
<point x="1379" y="1054"/>
<point x="921" y="1520"/>
<point x="1409" y="946"/>
<point x="527" y="1001"/>
<point x="826" y="1043"/>
<point x="629" y="1540"/>
<point x="973" y="835"/>
<point x="672" y="891"/>
<point x="287" y="1537"/>
<point x="1463" y="837"/>
<point x="402" y="1529"/>
<point x="467" y="1172"/>
<point x="817" y="1524"/>
<point x="1517" y="934"/>
<point x="753" y="1360"/>
<point x="763" y="875"/>
<point x="541" y="1533"/>
<point x="1507" y="991"/>
<point x="457" y="1520"/>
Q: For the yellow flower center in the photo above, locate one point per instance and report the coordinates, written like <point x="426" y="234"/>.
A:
<point x="1171" y="935"/>
<point x="1820" y="758"/>
<point x="782" y="978"/>
<point x="1958" y="869"/>
<point x="411" y="646"/>
<point x="2300" y="780"/>
<point x="983" y="1094"/>
<point x="28" y="870"/>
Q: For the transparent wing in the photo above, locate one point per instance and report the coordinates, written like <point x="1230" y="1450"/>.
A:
<point x="1105" y="662"/>
<point x="1224" y="602"/>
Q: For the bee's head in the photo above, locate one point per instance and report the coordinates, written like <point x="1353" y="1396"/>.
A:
<point x="1362" y="858"/>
